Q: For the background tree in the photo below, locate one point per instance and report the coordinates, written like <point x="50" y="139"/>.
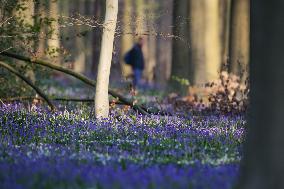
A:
<point x="239" y="38"/>
<point x="180" y="49"/>
<point x="164" y="43"/>
<point x="151" y="39"/>
<point x="97" y="34"/>
<point x="40" y="14"/>
<point x="53" y="41"/>
<point x="127" y="38"/>
<point x="101" y="97"/>
<point x="81" y="60"/>
<point x="193" y="48"/>
<point x="263" y="163"/>
<point x="212" y="43"/>
<point x="225" y="21"/>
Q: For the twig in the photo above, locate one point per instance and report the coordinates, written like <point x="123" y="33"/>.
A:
<point x="2" y="102"/>
<point x="2" y="23"/>
<point x="5" y="50"/>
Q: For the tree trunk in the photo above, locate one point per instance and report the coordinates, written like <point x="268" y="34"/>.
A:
<point x="180" y="48"/>
<point x="101" y="98"/>
<point x="97" y="33"/>
<point x="140" y="17"/>
<point x="150" y="46"/>
<point x="212" y="40"/>
<point x="53" y="40"/>
<point x="164" y="44"/>
<point x="263" y="163"/>
<point x="40" y="10"/>
<point x="88" y="38"/>
<point x="28" y="12"/>
<point x="197" y="41"/>
<point x="127" y="36"/>
<point x="80" y="43"/>
<point x="225" y="19"/>
<point x="27" y="15"/>
<point x="239" y="39"/>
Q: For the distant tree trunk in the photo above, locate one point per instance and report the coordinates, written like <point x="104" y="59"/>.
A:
<point x="88" y="39"/>
<point x="239" y="39"/>
<point x="150" y="46"/>
<point x="197" y="41"/>
<point x="164" y="44"/>
<point x="54" y="39"/>
<point x="141" y="30"/>
<point x="140" y="17"/>
<point x="263" y="163"/>
<point x="180" y="48"/>
<point x="25" y="17"/>
<point x="97" y="33"/>
<point x="224" y="16"/>
<point x="27" y="14"/>
<point x="80" y="44"/>
<point x="127" y="36"/>
<point x="212" y="40"/>
<point x="40" y="10"/>
<point x="101" y="98"/>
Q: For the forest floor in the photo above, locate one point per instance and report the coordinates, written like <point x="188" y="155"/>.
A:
<point x="71" y="149"/>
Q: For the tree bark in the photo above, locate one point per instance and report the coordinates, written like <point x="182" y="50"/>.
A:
<point x="263" y="162"/>
<point x="140" y="17"/>
<point x="212" y="40"/>
<point x="225" y="19"/>
<point x="28" y="12"/>
<point x="205" y="40"/>
<point x="40" y="10"/>
<point x="181" y="45"/>
<point x="80" y="43"/>
<point x="239" y="39"/>
<point x="151" y="42"/>
<point x="97" y="33"/>
<point x="164" y="44"/>
<point x="101" y="98"/>
<point x="53" y="41"/>
<point x="197" y="41"/>
<point x="127" y="36"/>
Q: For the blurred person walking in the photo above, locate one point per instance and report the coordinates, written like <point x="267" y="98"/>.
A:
<point x="135" y="58"/>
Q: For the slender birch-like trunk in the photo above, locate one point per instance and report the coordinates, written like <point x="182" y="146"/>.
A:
<point x="101" y="97"/>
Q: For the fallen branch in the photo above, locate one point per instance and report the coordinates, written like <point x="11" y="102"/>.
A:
<point x="88" y="100"/>
<point x="78" y="76"/>
<point x="39" y="92"/>
<point x="20" y="98"/>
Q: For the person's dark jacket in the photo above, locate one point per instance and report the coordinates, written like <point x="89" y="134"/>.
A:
<point x="137" y="58"/>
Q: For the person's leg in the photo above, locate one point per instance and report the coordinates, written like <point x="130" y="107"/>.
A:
<point x="137" y="77"/>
